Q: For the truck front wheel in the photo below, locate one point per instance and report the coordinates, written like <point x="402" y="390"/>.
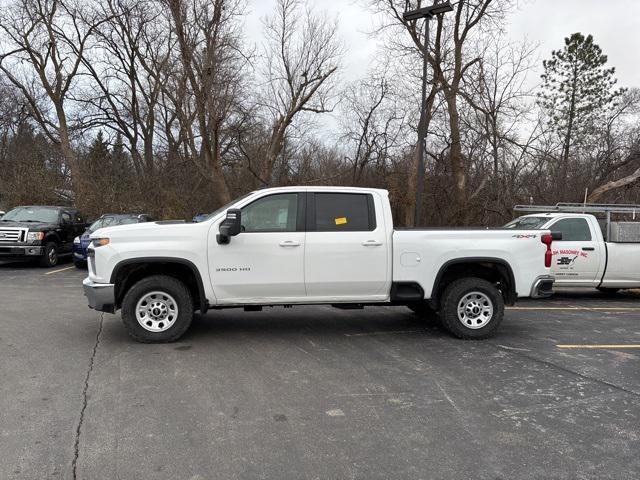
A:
<point x="50" y="257"/>
<point x="471" y="308"/>
<point x="157" y="309"/>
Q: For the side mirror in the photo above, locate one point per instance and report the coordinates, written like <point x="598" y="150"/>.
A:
<point x="230" y="226"/>
<point x="556" y="236"/>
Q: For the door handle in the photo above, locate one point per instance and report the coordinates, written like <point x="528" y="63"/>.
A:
<point x="588" y="249"/>
<point x="371" y="243"/>
<point x="289" y="243"/>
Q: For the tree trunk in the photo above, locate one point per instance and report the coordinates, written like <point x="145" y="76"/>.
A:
<point x="69" y="154"/>
<point x="276" y="143"/>
<point x="612" y="185"/>
<point x="455" y="152"/>
<point x="572" y="114"/>
<point x="222" y="193"/>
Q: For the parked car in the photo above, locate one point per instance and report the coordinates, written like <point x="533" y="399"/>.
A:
<point x="40" y="233"/>
<point x="311" y="245"/>
<point x="199" y="217"/>
<point x="80" y="243"/>
<point x="583" y="258"/>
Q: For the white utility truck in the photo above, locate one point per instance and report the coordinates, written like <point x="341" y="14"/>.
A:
<point x="311" y="245"/>
<point x="595" y="253"/>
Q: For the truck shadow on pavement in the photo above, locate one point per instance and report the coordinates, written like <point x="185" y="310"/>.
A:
<point x="310" y="321"/>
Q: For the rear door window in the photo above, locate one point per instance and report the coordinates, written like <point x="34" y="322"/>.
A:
<point x="344" y="212"/>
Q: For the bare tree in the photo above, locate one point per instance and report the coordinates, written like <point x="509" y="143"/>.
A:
<point x="450" y="55"/>
<point x="208" y="38"/>
<point x="128" y="67"/>
<point x="43" y="44"/>
<point x="302" y="57"/>
<point x="496" y="90"/>
<point x="374" y="128"/>
<point x="620" y="148"/>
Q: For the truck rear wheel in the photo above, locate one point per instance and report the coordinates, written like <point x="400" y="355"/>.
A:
<point x="157" y="309"/>
<point x="471" y="308"/>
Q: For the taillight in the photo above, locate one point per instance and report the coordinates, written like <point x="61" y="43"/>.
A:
<point x="548" y="255"/>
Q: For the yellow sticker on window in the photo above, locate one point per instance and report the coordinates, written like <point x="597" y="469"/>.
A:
<point x="341" y="220"/>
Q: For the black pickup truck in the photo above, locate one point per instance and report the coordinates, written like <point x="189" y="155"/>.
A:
<point x="40" y="233"/>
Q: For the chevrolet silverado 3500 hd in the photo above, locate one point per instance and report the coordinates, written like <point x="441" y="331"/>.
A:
<point x="311" y="245"/>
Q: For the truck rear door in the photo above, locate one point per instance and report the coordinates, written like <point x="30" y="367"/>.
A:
<point x="577" y="257"/>
<point x="347" y="248"/>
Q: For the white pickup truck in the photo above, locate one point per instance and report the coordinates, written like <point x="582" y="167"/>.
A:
<point x="582" y="258"/>
<point x="311" y="245"/>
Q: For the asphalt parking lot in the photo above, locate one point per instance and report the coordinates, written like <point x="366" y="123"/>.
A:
<point x="315" y="392"/>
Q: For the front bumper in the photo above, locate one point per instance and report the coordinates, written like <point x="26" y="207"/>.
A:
<point x="80" y="252"/>
<point x="101" y="296"/>
<point x="21" y="251"/>
<point x="542" y="287"/>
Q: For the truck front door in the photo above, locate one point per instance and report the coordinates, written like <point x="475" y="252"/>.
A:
<point x="576" y="258"/>
<point x="265" y="262"/>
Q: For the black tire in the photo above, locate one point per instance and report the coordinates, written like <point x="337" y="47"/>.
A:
<point x="158" y="283"/>
<point x="50" y="257"/>
<point x="80" y="265"/>
<point x="456" y="292"/>
<point x="423" y="310"/>
<point x="608" y="290"/>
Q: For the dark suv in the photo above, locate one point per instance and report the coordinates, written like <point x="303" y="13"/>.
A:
<point x="38" y="232"/>
<point x="81" y="243"/>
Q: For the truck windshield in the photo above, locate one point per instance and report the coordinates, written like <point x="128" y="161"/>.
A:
<point x="527" y="223"/>
<point x="31" y="214"/>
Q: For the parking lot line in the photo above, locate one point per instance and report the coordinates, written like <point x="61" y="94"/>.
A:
<point x="604" y="346"/>
<point x="608" y="309"/>
<point x="60" y="270"/>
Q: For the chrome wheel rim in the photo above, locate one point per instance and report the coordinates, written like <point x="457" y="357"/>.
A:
<point x="475" y="310"/>
<point x="53" y="256"/>
<point x="156" y="311"/>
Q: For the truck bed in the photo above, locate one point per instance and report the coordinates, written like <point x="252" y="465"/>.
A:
<point x="420" y="253"/>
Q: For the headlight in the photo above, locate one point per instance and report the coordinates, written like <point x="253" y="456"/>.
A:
<point x="35" y="236"/>
<point x="76" y="240"/>
<point x="99" y="242"/>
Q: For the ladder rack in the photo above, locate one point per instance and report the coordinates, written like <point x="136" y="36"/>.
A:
<point x="580" y="208"/>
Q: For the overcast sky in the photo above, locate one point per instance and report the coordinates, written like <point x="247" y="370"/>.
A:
<point x="615" y="25"/>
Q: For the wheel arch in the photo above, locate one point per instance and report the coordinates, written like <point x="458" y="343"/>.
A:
<point x="492" y="269"/>
<point x="127" y="272"/>
<point x="51" y="237"/>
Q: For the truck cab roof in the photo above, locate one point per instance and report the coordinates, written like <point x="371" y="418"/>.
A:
<point x="307" y="188"/>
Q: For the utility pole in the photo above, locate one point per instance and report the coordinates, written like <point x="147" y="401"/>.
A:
<point x="414" y="15"/>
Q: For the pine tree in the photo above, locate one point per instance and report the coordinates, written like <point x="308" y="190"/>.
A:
<point x="98" y="155"/>
<point x="577" y="90"/>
